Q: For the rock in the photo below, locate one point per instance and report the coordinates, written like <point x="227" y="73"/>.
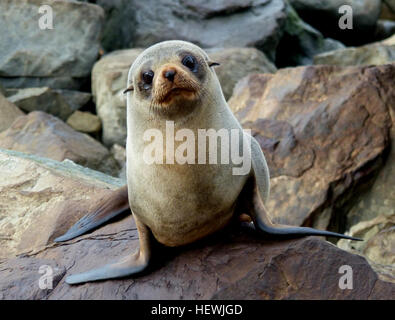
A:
<point x="236" y="63"/>
<point x="378" y="246"/>
<point x="382" y="52"/>
<point x="9" y="112"/>
<point x="384" y="29"/>
<point x="388" y="10"/>
<point x="206" y="23"/>
<point x="233" y="264"/>
<point x="377" y="198"/>
<point x="41" y="198"/>
<point x="119" y="154"/>
<point x="69" y="50"/>
<point x="60" y="103"/>
<point x="46" y="136"/>
<point x="324" y="131"/>
<point x="324" y="15"/>
<point x="84" y="122"/>
<point x="109" y="77"/>
<point x="301" y="42"/>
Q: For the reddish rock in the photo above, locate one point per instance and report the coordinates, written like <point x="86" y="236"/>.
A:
<point x="325" y="132"/>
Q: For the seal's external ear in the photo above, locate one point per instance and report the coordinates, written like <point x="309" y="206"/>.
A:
<point x="130" y="88"/>
<point x="213" y="64"/>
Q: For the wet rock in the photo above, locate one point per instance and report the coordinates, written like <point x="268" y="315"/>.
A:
<point x="46" y="136"/>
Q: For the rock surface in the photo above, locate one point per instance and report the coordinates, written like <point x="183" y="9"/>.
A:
<point x="60" y="103"/>
<point x="324" y="15"/>
<point x="46" y="136"/>
<point x="325" y="133"/>
<point x="8" y="113"/>
<point x="382" y="52"/>
<point x="236" y="263"/>
<point x="84" y="122"/>
<point x="110" y="73"/>
<point x="67" y="51"/>
<point x="378" y="246"/>
<point x="41" y="198"/>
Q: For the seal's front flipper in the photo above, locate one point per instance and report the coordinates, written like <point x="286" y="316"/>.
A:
<point x="260" y="193"/>
<point x="127" y="266"/>
<point x="111" y="206"/>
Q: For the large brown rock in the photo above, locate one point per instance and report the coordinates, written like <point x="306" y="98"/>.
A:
<point x="47" y="136"/>
<point x="8" y="113"/>
<point x="41" y="198"/>
<point x="325" y="132"/>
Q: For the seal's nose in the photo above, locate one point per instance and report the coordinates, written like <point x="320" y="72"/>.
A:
<point x="169" y="74"/>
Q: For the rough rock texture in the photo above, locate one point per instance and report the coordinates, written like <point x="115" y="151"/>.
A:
<point x="233" y="264"/>
<point x="236" y="63"/>
<point x="388" y="10"/>
<point x="379" y="245"/>
<point x="67" y="51"/>
<point x="41" y="198"/>
<point x="46" y="136"/>
<point x="60" y="103"/>
<point x="84" y="122"/>
<point x="324" y="15"/>
<point x="205" y="23"/>
<point x="109" y="77"/>
<point x="8" y="113"/>
<point x="325" y="133"/>
<point x="301" y="42"/>
<point x="382" y="52"/>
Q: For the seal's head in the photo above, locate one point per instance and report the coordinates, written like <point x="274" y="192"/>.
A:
<point x="170" y="78"/>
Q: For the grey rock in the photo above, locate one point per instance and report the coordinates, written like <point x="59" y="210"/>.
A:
<point x="378" y="53"/>
<point x="68" y="50"/>
<point x="60" y="103"/>
<point x="60" y="82"/>
<point x="235" y="23"/>
<point x="324" y="15"/>
<point x="384" y="29"/>
<point x="301" y="42"/>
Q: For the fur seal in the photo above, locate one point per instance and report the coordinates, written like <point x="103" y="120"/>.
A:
<point x="174" y="82"/>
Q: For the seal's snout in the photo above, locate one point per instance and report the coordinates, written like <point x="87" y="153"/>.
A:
<point x="169" y="74"/>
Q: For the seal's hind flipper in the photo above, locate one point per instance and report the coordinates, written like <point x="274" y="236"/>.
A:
<point x="111" y="206"/>
<point x="128" y="266"/>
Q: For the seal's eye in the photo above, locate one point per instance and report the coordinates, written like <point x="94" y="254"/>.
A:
<point x="148" y="76"/>
<point x="190" y="63"/>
